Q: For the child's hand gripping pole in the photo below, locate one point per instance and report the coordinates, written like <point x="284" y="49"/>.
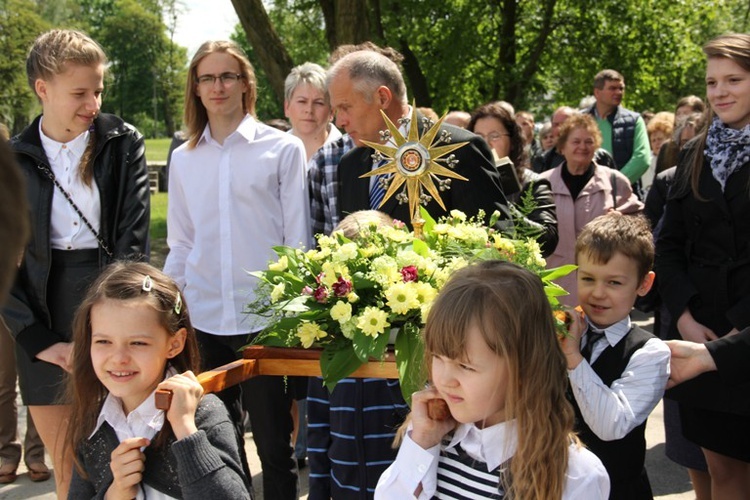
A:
<point x="215" y="380"/>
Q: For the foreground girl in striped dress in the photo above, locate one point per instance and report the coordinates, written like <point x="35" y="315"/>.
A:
<point x="495" y="422"/>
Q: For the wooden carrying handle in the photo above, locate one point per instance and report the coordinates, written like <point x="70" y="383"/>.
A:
<point x="278" y="361"/>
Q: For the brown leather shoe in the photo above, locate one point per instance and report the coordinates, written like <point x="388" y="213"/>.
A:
<point x="38" y="472"/>
<point x="8" y="472"/>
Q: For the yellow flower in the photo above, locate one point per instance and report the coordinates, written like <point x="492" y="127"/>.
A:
<point x="425" y="292"/>
<point x="504" y="245"/>
<point x="441" y="228"/>
<point x="326" y="242"/>
<point x="309" y="332"/>
<point x="318" y="255"/>
<point x="371" y="251"/>
<point x="384" y="270"/>
<point x="402" y="297"/>
<point x="277" y="292"/>
<point x="281" y="265"/>
<point x="341" y="311"/>
<point x="329" y="274"/>
<point x="373" y="321"/>
<point x="352" y="297"/>
<point x="347" y="251"/>
<point x="457" y="214"/>
<point x="394" y="234"/>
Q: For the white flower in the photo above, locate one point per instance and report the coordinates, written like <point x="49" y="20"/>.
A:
<point x="341" y="311"/>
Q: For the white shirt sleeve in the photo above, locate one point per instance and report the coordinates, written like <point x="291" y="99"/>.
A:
<point x="586" y="476"/>
<point x="413" y="466"/>
<point x="180" y="232"/>
<point x="612" y="412"/>
<point x="295" y="198"/>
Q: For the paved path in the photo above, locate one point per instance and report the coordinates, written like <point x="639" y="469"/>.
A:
<point x="668" y="480"/>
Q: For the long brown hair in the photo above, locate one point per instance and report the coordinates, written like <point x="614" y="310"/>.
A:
<point x="733" y="46"/>
<point x="510" y="307"/>
<point x="121" y="281"/>
<point x="196" y="117"/>
<point x="48" y="56"/>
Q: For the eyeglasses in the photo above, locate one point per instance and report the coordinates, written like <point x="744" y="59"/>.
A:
<point x="493" y="136"/>
<point x="227" y="79"/>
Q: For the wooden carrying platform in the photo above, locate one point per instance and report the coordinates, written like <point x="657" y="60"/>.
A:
<point x="261" y="360"/>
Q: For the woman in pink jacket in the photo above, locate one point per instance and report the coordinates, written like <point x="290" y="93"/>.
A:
<point x="583" y="190"/>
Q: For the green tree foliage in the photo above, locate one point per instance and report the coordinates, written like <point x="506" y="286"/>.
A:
<point x="147" y="69"/>
<point x="20" y="24"/>
<point x="299" y="25"/>
<point x="537" y="55"/>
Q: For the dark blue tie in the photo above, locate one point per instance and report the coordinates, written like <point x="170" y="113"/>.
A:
<point x="377" y="191"/>
<point x="592" y="337"/>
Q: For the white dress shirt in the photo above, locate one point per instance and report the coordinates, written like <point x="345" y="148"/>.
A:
<point x="229" y="204"/>
<point x="612" y="412"/>
<point x="67" y="230"/>
<point x="415" y="466"/>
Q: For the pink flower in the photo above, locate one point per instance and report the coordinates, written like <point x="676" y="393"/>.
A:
<point x="409" y="273"/>
<point x="321" y="294"/>
<point x="307" y="291"/>
<point x="342" y="287"/>
<point x="398" y="224"/>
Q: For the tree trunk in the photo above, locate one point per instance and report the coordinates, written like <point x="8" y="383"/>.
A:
<point x="352" y="24"/>
<point x="413" y="72"/>
<point x="271" y="52"/>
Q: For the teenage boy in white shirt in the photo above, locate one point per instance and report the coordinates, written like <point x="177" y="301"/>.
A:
<point x="236" y="189"/>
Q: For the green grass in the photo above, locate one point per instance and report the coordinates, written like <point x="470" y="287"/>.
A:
<point x="157" y="149"/>
<point x="159" y="248"/>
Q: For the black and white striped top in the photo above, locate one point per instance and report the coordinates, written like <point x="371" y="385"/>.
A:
<point x="460" y="476"/>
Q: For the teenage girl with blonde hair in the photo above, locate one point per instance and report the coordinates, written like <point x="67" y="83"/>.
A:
<point x="87" y="186"/>
<point x="494" y="358"/>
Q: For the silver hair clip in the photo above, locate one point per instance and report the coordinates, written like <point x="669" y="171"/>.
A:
<point x="178" y="304"/>
<point x="148" y="285"/>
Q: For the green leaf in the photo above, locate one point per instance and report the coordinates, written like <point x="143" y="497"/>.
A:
<point x="362" y="345"/>
<point x="410" y="360"/>
<point x="558" y="272"/>
<point x="336" y="362"/>
<point x="421" y="248"/>
<point x="429" y="222"/>
<point x="377" y="348"/>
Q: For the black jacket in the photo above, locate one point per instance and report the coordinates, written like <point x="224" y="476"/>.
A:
<point x="544" y="215"/>
<point x="121" y="175"/>
<point x="482" y="190"/>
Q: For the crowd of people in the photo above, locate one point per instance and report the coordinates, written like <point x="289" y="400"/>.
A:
<point x="96" y="330"/>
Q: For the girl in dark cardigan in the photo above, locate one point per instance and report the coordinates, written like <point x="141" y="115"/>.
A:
<point x="132" y="335"/>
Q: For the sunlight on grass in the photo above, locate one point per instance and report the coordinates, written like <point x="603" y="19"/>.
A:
<point x="157" y="149"/>
<point x="159" y="248"/>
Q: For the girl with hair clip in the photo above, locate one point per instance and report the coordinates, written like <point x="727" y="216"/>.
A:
<point x="88" y="192"/>
<point x="494" y="359"/>
<point x="132" y="335"/>
<point x="703" y="259"/>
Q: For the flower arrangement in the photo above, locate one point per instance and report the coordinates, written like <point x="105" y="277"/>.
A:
<point x="351" y="296"/>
